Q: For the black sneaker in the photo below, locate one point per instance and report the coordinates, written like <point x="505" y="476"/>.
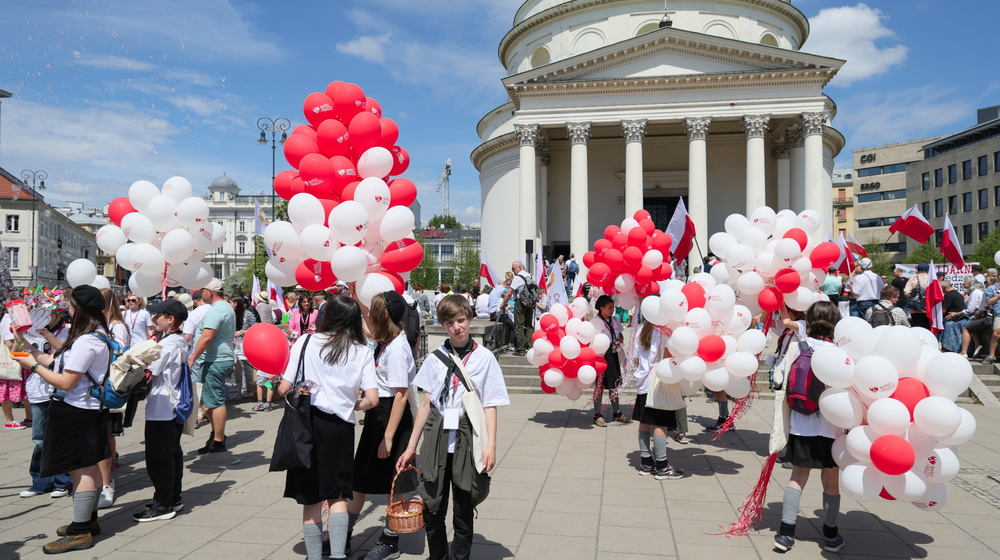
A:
<point x="152" y="514"/>
<point x="834" y="544"/>
<point x="383" y="551"/>
<point x="213" y="447"/>
<point x="646" y="470"/>
<point x="668" y="473"/>
<point x="715" y="428"/>
<point x="784" y="543"/>
<point x="176" y="507"/>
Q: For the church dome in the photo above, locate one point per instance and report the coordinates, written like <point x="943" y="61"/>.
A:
<point x="224" y="182"/>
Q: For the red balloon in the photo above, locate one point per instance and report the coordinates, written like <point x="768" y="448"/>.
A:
<point x="601" y="365"/>
<point x="787" y="280"/>
<point x="348" y="192"/>
<point x="305" y="130"/>
<point x="589" y="258"/>
<point x="633" y="259"/>
<point x="824" y="255"/>
<point x="598" y="274"/>
<point x="587" y="356"/>
<point x="118" y="208"/>
<point x="884" y="494"/>
<point x="637" y="237"/>
<point x="397" y="281"/>
<point x="615" y="261"/>
<point x="770" y="299"/>
<point x="546" y="389"/>
<point x="373" y="107"/>
<point x="297" y="147"/>
<point x="317" y="173"/>
<point x="554" y="337"/>
<point x="644" y="275"/>
<point x="711" y="348"/>
<point x="332" y="89"/>
<point x="283" y="183"/>
<point x="647" y="225"/>
<point x="663" y="273"/>
<point x="537" y="334"/>
<point x="571" y="368"/>
<point x="297" y="186"/>
<point x="611" y="231"/>
<point x="400" y="160"/>
<point x="389" y="135"/>
<point x="349" y="100"/>
<point x="910" y="391"/>
<point x="695" y="294"/>
<point x="333" y="139"/>
<point x="402" y="192"/>
<point x="661" y="242"/>
<point x="402" y="256"/>
<point x="317" y="108"/>
<point x="344" y="174"/>
<point x="556" y="359"/>
<point x="892" y="455"/>
<point x="315" y="275"/>
<point x="365" y="130"/>
<point x="620" y="241"/>
<point x="641" y="215"/>
<point x="266" y="348"/>
<point x="548" y="322"/>
<point x="798" y="235"/>
<point x="601" y="247"/>
<point x="328" y="206"/>
<point x="654" y="288"/>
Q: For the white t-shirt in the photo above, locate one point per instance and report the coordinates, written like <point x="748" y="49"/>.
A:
<point x="138" y="323"/>
<point x="88" y="354"/>
<point x="166" y="372"/>
<point x="121" y="334"/>
<point x="813" y="424"/>
<point x="395" y="366"/>
<point x="519" y="281"/>
<point x="190" y="326"/>
<point x="647" y="359"/>
<point x="483" y="306"/>
<point x="38" y="389"/>
<point x="339" y="383"/>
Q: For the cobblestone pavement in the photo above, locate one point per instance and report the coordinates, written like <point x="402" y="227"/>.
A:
<point x="563" y="489"/>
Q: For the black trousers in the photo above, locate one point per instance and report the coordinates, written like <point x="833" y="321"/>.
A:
<point x="164" y="462"/>
<point x="461" y="518"/>
<point x="523" y="326"/>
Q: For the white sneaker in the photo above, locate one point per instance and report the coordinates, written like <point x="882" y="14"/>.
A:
<point x="60" y="493"/>
<point x="29" y="494"/>
<point x="107" y="498"/>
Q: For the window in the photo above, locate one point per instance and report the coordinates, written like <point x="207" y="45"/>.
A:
<point x="13" y="222"/>
<point x="841" y="195"/>
<point x="876" y="222"/>
<point x="217" y="270"/>
<point x="983" y="166"/>
<point x="219" y="250"/>
<point x="937" y="237"/>
<point x="100" y="269"/>
<point x="869" y="171"/>
<point x="996" y="195"/>
<point x="925" y="181"/>
<point x="984" y="230"/>
<point x="243" y="226"/>
<point x="896" y="247"/>
<point x="894" y="168"/>
<point x="967" y="170"/>
<point x="241" y="245"/>
<point x="925" y="208"/>
<point x="967" y="233"/>
<point x="952" y="173"/>
<point x="869" y="197"/>
<point x="996" y="162"/>
<point x="984" y="199"/>
<point x="841" y="214"/>
<point x="938" y="208"/>
<point x="447" y="253"/>
<point x="938" y="177"/>
<point x="967" y="202"/>
<point x="953" y="205"/>
<point x="885" y="195"/>
<point x="14" y="254"/>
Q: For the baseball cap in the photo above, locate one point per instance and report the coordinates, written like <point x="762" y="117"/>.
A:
<point x="215" y="285"/>
<point x="923" y="267"/>
<point x="170" y="307"/>
<point x="172" y="294"/>
<point x="395" y="305"/>
<point x="865" y="263"/>
<point x="186" y="300"/>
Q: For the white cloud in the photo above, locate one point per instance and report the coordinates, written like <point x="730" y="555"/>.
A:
<point x="116" y="63"/>
<point x="368" y="47"/>
<point x="199" y="104"/>
<point x="849" y="33"/>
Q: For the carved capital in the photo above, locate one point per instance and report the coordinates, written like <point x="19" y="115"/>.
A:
<point x="755" y="126"/>
<point x="528" y="134"/>
<point x="697" y="127"/>
<point x="780" y="150"/>
<point x="578" y="132"/>
<point x="813" y="123"/>
<point x="634" y="131"/>
<point x="546" y="158"/>
<point x="795" y="137"/>
<point x="541" y="148"/>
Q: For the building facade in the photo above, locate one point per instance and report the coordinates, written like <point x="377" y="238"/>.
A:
<point x="610" y="112"/>
<point x="843" y="202"/>
<point x="235" y="212"/>
<point x="959" y="176"/>
<point x="93" y="219"/>
<point x="444" y="245"/>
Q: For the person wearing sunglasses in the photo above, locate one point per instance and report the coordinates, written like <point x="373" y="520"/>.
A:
<point x="137" y="319"/>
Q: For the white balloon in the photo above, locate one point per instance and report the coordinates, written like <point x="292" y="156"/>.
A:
<point x="667" y="371"/>
<point x="178" y="188"/>
<point x="397" y="223"/>
<point x="841" y="455"/>
<point x="908" y="486"/>
<point x="145" y="285"/>
<point x="753" y="342"/>
<point x="81" y="272"/>
<point x="720" y="242"/>
<point x="765" y="264"/>
<point x="764" y="218"/>
<point x="373" y="194"/>
<point x="964" y="432"/>
<point x="861" y="482"/>
<point x="692" y="368"/>
<point x="735" y="224"/>
<point x="580" y="307"/>
<point x="926" y="336"/>
<point x="901" y="346"/>
<point x="162" y="213"/>
<point x="673" y="305"/>
<point x="282" y="239"/>
<point x="318" y="242"/>
<point x="854" y="335"/>
<point x="533" y="359"/>
<point x="875" y="377"/>
<point x="741" y="257"/>
<point x="937" y="416"/>
<point x="624" y="283"/>
<point x="375" y="162"/>
<point x="110" y="238"/>
<point x="570" y="347"/>
<point x="146" y="260"/>
<point x="888" y="417"/>
<point x="715" y="378"/>
<point x="738" y="387"/>
<point x="833" y="366"/>
<point x="372" y="285"/>
<point x="210" y="236"/>
<point x="940" y="465"/>
<point x="841" y="408"/>
<point x="565" y="388"/>
<point x="652" y="259"/>
<point x="586" y="332"/>
<point x="628" y="300"/>
<point x="786" y="221"/>
<point x="690" y="387"/>
<point x="698" y="320"/>
<point x="934" y="499"/>
<point x="948" y="375"/>
<point x="859" y="443"/>
<point x="808" y="221"/>
<point x="349" y="263"/>
<point x="138" y="228"/>
<point x="281" y="271"/>
<point x="742" y="317"/>
<point x="553" y="377"/>
<point x="572" y="324"/>
<point x="101" y="283"/>
<point x="741" y="364"/>
<point x="349" y="221"/>
<point x="730" y="346"/>
<point x="628" y="224"/>
<point x="542" y="347"/>
<point x="600" y="344"/>
<point x="177" y="246"/>
<point x="922" y="443"/>
<point x="650" y="309"/>
<point x="685" y="340"/>
<point x="720" y="301"/>
<point x="192" y="212"/>
<point x="720" y="273"/>
<point x="197" y="275"/>
<point x="786" y="252"/>
<point x="756" y="239"/>
<point x="586" y="374"/>
<point x="305" y="210"/>
<point x="122" y="257"/>
<point x="749" y="284"/>
<point x="140" y="193"/>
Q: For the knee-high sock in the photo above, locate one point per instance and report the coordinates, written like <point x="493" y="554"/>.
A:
<point x="643" y="443"/>
<point x="660" y="449"/>
<point x="338" y="534"/>
<point x="723" y="409"/>
<point x="312" y="534"/>
<point x="790" y="505"/>
<point x="831" y="508"/>
<point x="84" y="503"/>
<point x="352" y="518"/>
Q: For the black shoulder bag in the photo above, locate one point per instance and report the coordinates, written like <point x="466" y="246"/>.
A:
<point x="293" y="446"/>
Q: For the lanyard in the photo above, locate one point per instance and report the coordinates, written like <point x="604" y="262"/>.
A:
<point x="135" y="317"/>
<point x="455" y="382"/>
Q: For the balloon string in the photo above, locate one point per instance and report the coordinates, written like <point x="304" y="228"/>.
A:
<point x="741" y="406"/>
<point x="163" y="294"/>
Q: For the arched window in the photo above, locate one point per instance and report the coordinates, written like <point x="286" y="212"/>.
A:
<point x="720" y="29"/>
<point x="540" y="58"/>
<point x="646" y="28"/>
<point x="769" y="40"/>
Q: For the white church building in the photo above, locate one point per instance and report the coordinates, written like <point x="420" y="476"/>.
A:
<point x="616" y="105"/>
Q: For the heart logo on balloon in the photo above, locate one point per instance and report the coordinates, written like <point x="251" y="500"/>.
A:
<point x="322" y="108"/>
<point x="326" y="243"/>
<point x="359" y="227"/>
<point x="313" y="182"/>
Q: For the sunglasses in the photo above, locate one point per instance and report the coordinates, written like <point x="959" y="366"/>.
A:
<point x="132" y="300"/>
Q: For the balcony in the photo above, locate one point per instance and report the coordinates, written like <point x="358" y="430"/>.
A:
<point x="849" y="201"/>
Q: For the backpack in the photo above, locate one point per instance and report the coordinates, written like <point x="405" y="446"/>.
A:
<point x="915" y="301"/>
<point x="185" y="402"/>
<point x="411" y="324"/>
<point x="803" y="389"/>
<point x="105" y="392"/>
<point x="881" y="316"/>
<point x="573" y="268"/>
<point x="527" y="295"/>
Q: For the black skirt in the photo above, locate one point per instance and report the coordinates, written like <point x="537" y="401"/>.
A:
<point x="611" y="376"/>
<point x="116" y="424"/>
<point x="75" y="438"/>
<point x="331" y="473"/>
<point x="654" y="416"/>
<point x="815" y="452"/>
<point x="371" y="474"/>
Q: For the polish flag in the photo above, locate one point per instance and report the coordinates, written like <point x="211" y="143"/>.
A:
<point x="541" y="278"/>
<point x="577" y="290"/>
<point x="846" y="263"/>
<point x="914" y="225"/>
<point x="487" y="272"/>
<point x="277" y="296"/>
<point x="255" y="290"/>
<point x="854" y="245"/>
<point x="950" y="247"/>
<point x="681" y="230"/>
<point x="933" y="299"/>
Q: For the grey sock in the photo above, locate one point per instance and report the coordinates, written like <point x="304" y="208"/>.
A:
<point x="389" y="536"/>
<point x="723" y="409"/>
<point x="352" y="518"/>
<point x="643" y="444"/>
<point x="84" y="502"/>
<point x="660" y="448"/>
<point x="790" y="505"/>
<point x="831" y="508"/>
<point x="338" y="534"/>
<point x="312" y="534"/>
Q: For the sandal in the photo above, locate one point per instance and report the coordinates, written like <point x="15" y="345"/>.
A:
<point x="200" y="421"/>
<point x="682" y="438"/>
<point x="621" y="418"/>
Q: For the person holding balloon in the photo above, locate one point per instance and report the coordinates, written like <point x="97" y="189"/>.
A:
<point x="606" y="322"/>
<point x="649" y="346"/>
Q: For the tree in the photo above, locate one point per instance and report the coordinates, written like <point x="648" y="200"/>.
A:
<point x="925" y="254"/>
<point x="445" y="221"/>
<point x="881" y="263"/>
<point x="242" y="281"/>
<point x="986" y="250"/>
<point x="281" y="210"/>
<point x="425" y="274"/>
<point x="466" y="262"/>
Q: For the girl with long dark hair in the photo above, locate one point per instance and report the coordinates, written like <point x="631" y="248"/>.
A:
<point x="606" y="322"/>
<point x="303" y="318"/>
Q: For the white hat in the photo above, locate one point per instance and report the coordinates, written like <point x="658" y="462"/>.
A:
<point x="865" y="263"/>
<point x="186" y="300"/>
<point x="215" y="285"/>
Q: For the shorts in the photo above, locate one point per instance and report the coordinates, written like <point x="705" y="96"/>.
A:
<point x="996" y="323"/>
<point x="12" y="389"/>
<point x="262" y="378"/>
<point x="213" y="378"/>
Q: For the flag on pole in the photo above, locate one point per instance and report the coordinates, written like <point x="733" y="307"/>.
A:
<point x="556" y="285"/>
<point x="577" y="290"/>
<point x="845" y="264"/>
<point x="487" y="272"/>
<point x="950" y="247"/>
<point x="277" y="296"/>
<point x="914" y="225"/>
<point x="854" y="245"/>
<point x="540" y="276"/>
<point x="256" y="290"/>
<point x="259" y="220"/>
<point x="933" y="299"/>
<point x="681" y="230"/>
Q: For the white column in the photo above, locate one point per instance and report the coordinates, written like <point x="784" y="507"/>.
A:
<point x="579" y="191"/>
<point x="697" y="133"/>
<point x="755" y="126"/>
<point x="528" y="135"/>
<point x="812" y="125"/>
<point x="797" y="169"/>
<point x="831" y="227"/>
<point x="783" y="172"/>
<point x="542" y="160"/>
<point x="633" y="132"/>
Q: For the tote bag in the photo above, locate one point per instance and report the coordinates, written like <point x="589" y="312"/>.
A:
<point x="477" y="414"/>
<point x="9" y="369"/>
<point x="293" y="446"/>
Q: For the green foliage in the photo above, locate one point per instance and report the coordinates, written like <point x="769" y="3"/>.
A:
<point x="466" y="262"/>
<point x="238" y="283"/>
<point x="986" y="250"/>
<point x="281" y="210"/>
<point x="444" y="222"/>
<point x="925" y="254"/>
<point x="881" y="263"/>
<point x="425" y="274"/>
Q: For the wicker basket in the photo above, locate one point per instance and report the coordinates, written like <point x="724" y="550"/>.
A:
<point x="405" y="516"/>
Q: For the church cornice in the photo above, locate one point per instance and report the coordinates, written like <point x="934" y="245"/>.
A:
<point x="573" y="6"/>
<point x="492" y="146"/>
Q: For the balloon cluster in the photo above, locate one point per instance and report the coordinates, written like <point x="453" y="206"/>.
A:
<point x="772" y="259"/>
<point x="348" y="221"/>
<point x="161" y="236"/>
<point x="630" y="260"/>
<point x="895" y="392"/>
<point x="568" y="350"/>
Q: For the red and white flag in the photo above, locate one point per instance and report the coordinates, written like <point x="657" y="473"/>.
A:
<point x="854" y="245"/>
<point x="487" y="272"/>
<point x="914" y="225"/>
<point x="255" y="290"/>
<point x="681" y="230"/>
<point x="577" y="290"/>
<point x="933" y="300"/>
<point x="277" y="296"/>
<point x="950" y="247"/>
<point x="541" y="278"/>
<point x="845" y="264"/>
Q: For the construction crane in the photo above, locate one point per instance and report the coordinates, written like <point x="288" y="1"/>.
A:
<point x="443" y="186"/>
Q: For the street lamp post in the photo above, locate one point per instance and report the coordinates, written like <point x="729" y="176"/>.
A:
<point x="274" y="126"/>
<point x="38" y="177"/>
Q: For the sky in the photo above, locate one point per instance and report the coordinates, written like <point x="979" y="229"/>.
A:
<point x="108" y="94"/>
